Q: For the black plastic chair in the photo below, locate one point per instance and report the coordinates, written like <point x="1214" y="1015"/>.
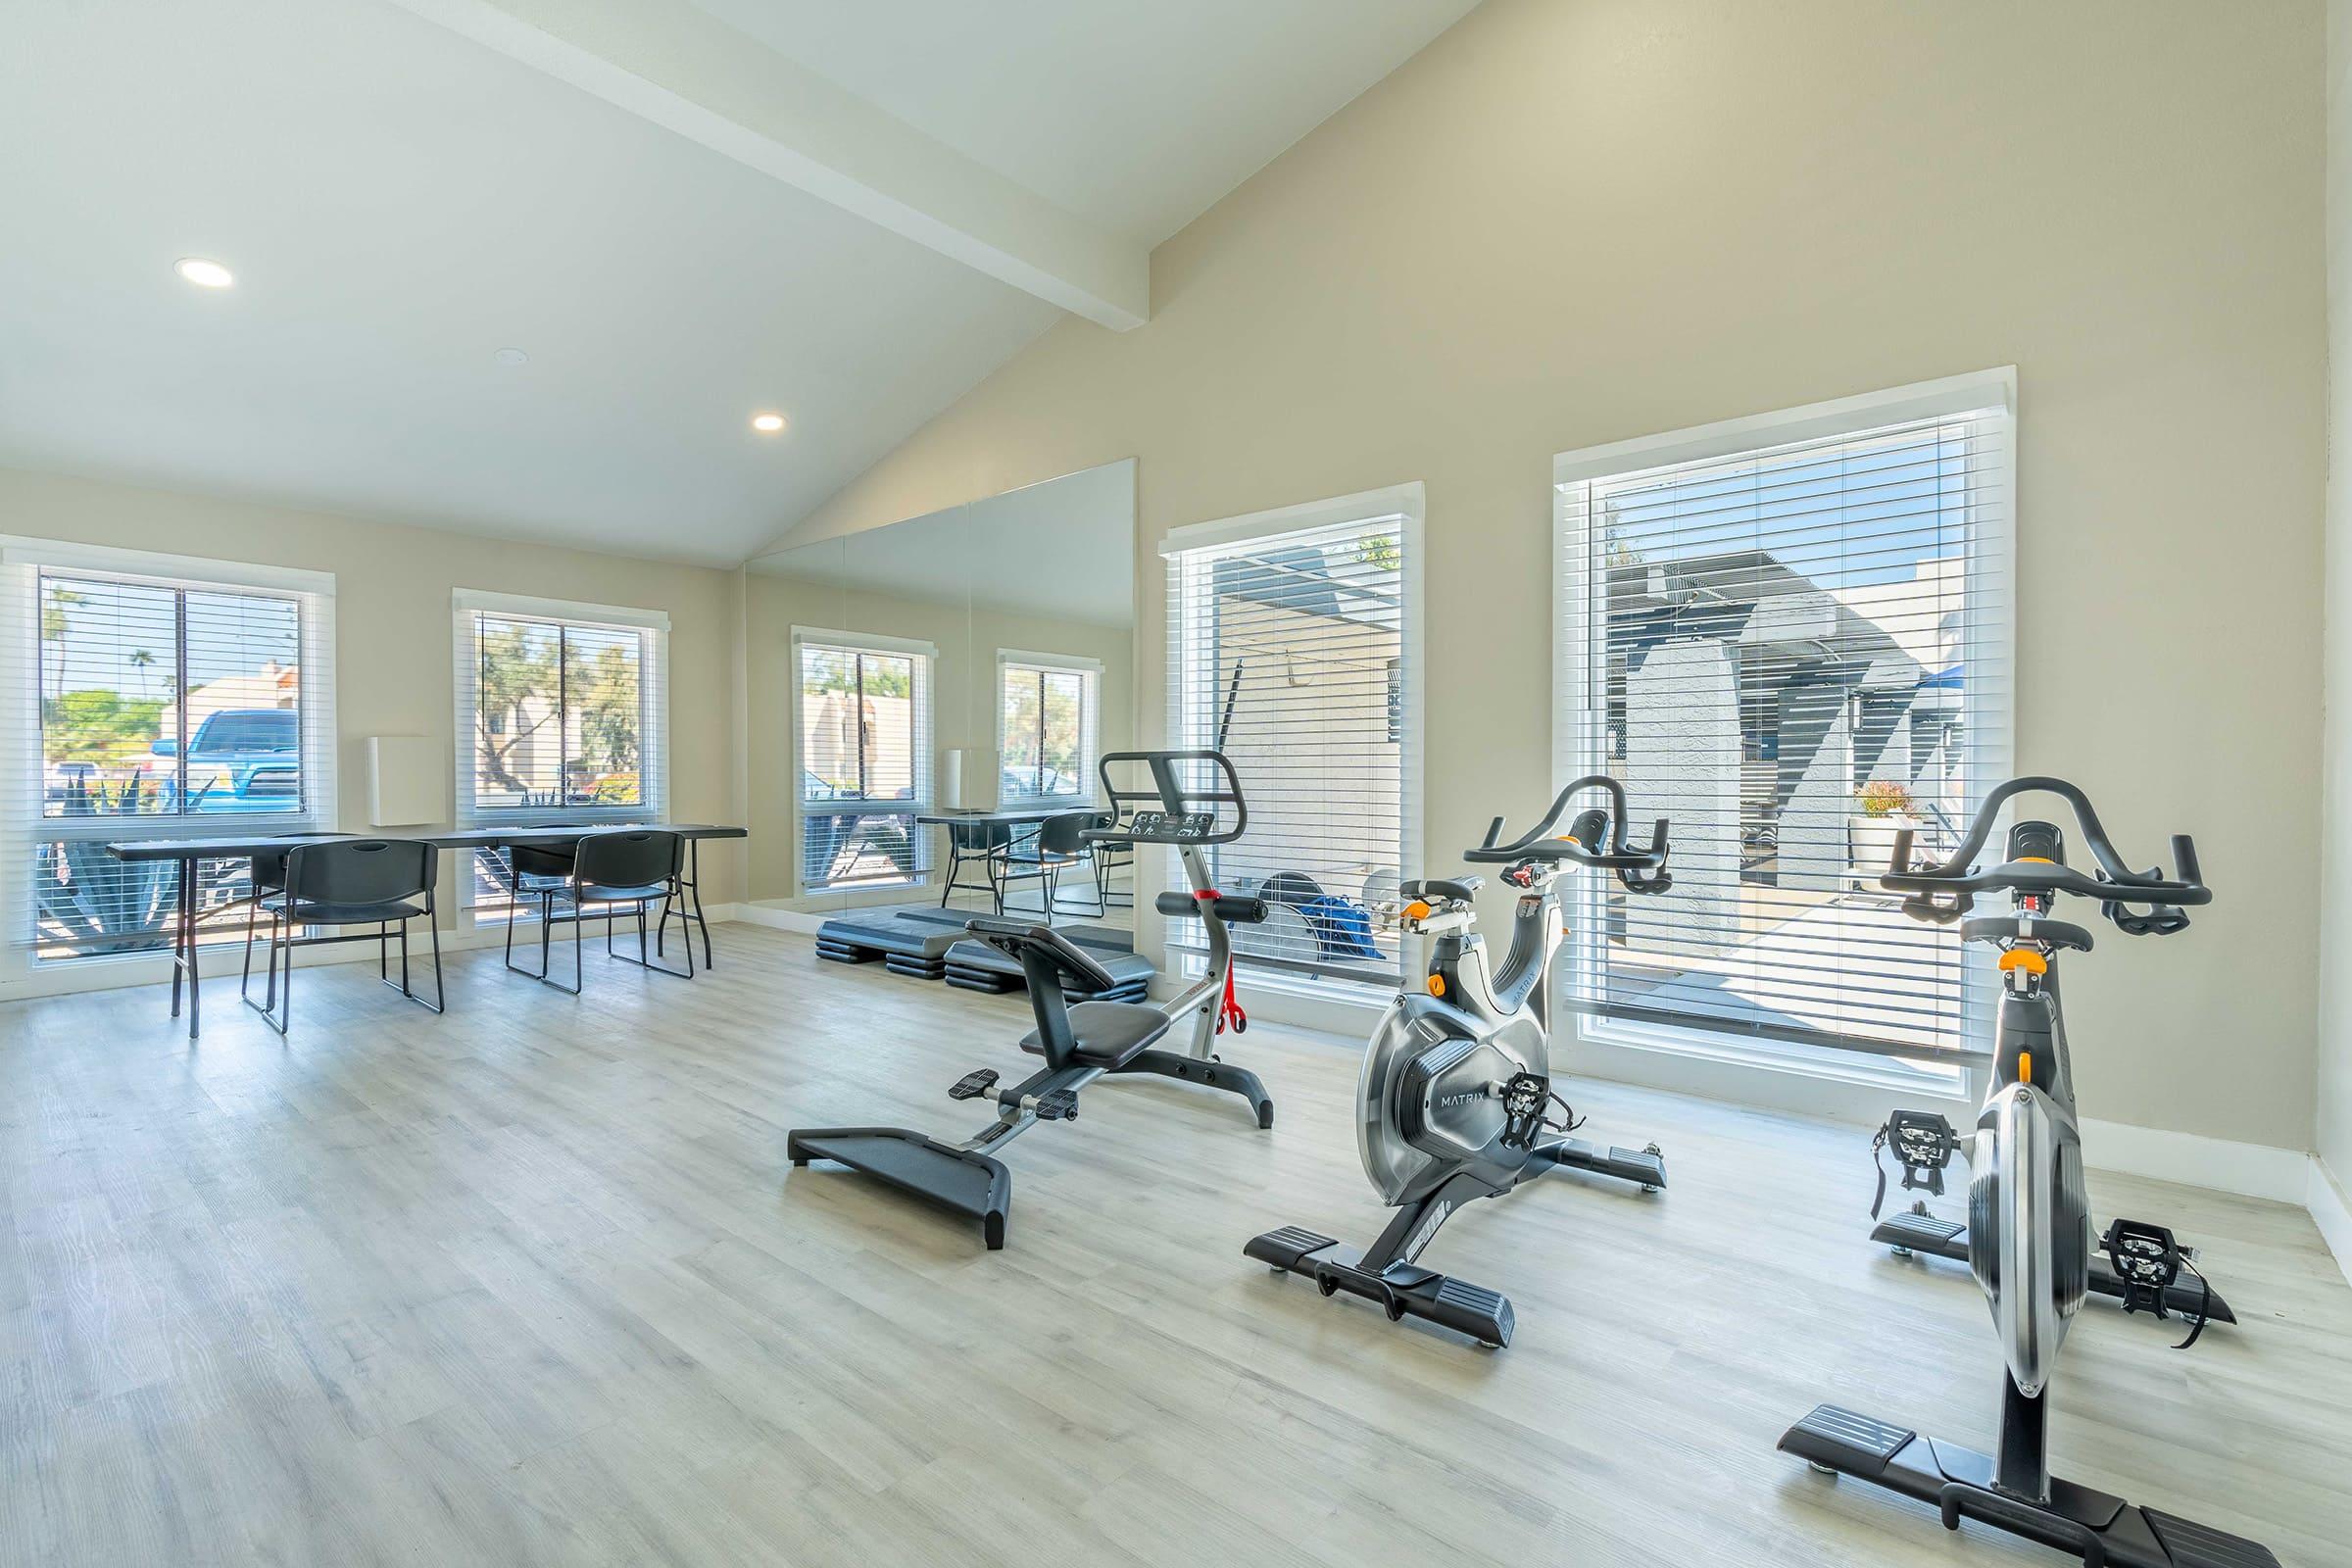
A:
<point x="344" y="882"/>
<point x="1058" y="845"/>
<point x="985" y="841"/>
<point x="634" y="867"/>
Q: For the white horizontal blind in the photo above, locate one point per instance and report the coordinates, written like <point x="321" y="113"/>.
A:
<point x="864" y="738"/>
<point x="1288" y="650"/>
<point x="1046" y="727"/>
<point x="562" y="715"/>
<point x="155" y="697"/>
<point x="1791" y="651"/>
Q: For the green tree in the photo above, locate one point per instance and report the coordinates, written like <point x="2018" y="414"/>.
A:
<point x="602" y="687"/>
<point x="57" y="599"/>
<point x="514" y="695"/>
<point x="99" y="728"/>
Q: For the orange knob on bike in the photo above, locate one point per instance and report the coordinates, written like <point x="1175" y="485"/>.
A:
<point x="2025" y="958"/>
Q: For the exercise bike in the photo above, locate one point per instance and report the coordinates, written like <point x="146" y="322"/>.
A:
<point x="2028" y="1232"/>
<point x="1454" y="1098"/>
<point x="1088" y="1040"/>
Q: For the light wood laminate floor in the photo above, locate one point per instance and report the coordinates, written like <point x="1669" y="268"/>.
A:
<point x="531" y="1283"/>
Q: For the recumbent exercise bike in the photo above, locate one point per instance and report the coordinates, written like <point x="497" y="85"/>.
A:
<point x="1088" y="1040"/>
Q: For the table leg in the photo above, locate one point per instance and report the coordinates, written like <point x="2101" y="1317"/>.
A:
<point x="186" y="956"/>
<point x="694" y="891"/>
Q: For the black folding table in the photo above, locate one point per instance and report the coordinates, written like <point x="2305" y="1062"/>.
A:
<point x="187" y="852"/>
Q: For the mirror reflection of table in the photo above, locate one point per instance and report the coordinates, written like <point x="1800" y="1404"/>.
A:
<point x="226" y="846"/>
<point x="1021" y="822"/>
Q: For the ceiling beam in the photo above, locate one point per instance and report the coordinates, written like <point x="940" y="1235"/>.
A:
<point x="682" y="69"/>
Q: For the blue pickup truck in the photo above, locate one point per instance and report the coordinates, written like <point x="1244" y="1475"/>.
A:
<point x="239" y="759"/>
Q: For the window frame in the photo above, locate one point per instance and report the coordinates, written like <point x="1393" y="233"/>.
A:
<point x="1186" y="689"/>
<point x="23" y="564"/>
<point x="921" y="739"/>
<point x="1089" y="707"/>
<point x="1579" y="731"/>
<point x="651" y="626"/>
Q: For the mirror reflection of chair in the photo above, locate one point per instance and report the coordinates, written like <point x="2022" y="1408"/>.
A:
<point x="1042" y="856"/>
<point x="975" y="842"/>
<point x="343" y="882"/>
<point x="631" y="869"/>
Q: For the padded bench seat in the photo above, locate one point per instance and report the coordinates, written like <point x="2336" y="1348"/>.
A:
<point x="1109" y="1034"/>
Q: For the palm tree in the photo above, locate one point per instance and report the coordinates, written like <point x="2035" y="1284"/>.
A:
<point x="140" y="660"/>
<point x="55" y="603"/>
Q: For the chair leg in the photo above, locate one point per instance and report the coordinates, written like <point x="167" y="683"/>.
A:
<point x="285" y="996"/>
<point x="245" y="981"/>
<point x="433" y="924"/>
<point x="382" y="970"/>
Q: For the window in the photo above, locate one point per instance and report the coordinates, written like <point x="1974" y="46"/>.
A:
<point x="156" y="696"/>
<point x="1046" y="719"/>
<point x="1294" y="648"/>
<point x="561" y="711"/>
<point x="864" y="738"/>
<point x="1791" y="636"/>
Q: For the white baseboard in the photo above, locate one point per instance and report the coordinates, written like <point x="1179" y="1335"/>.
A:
<point x="805" y="921"/>
<point x="2251" y="1170"/>
<point x="2332" y="1211"/>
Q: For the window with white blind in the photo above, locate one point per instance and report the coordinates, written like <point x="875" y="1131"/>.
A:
<point x="155" y="697"/>
<point x="1294" y="647"/>
<point x="863" y="730"/>
<point x="1791" y="636"/>
<point x="1046" y="727"/>
<point x="560" y="716"/>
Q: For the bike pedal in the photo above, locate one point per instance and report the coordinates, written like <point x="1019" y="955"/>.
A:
<point x="1057" y="1105"/>
<point x="972" y="1085"/>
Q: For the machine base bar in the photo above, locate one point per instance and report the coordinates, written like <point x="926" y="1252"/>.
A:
<point x="1640" y="1165"/>
<point x="2099" y="1528"/>
<point x="1935" y="1237"/>
<point x="957" y="1179"/>
<point x="1403" y="1290"/>
<point x="1213" y="1074"/>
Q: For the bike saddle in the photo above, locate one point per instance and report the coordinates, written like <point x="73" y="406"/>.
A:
<point x="1999" y="929"/>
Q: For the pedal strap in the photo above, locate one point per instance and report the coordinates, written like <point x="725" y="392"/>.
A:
<point x="2146" y="1261"/>
<point x="1924" y="1144"/>
<point x="1525" y="1097"/>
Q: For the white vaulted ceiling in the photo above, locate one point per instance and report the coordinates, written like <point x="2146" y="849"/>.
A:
<point x="848" y="214"/>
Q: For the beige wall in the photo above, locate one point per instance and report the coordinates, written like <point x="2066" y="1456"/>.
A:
<point x="1569" y="223"/>
<point x="964" y="692"/>
<point x="2334" y="1143"/>
<point x="393" y="630"/>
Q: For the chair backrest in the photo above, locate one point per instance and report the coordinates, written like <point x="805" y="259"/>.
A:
<point x="632" y="857"/>
<point x="979" y="837"/>
<point x="540" y="859"/>
<point x="1060" y="835"/>
<point x="359" y="870"/>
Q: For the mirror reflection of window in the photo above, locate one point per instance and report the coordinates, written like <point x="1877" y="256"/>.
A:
<point x="1044" y="740"/>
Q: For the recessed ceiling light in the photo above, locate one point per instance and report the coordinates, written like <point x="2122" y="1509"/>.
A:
<point x="511" y="357"/>
<point x="767" y="423"/>
<point x="203" y="274"/>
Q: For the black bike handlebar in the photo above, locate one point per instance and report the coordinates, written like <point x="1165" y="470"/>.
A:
<point x="1642" y="867"/>
<point x="1946" y="891"/>
<point x="1172" y="795"/>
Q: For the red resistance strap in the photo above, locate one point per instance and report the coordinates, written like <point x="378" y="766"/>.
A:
<point x="1229" y="1012"/>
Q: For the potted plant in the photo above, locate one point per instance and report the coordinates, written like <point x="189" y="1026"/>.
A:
<point x="1885" y="811"/>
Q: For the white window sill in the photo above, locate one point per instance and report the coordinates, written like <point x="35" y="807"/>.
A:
<point x="1855" y="1068"/>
